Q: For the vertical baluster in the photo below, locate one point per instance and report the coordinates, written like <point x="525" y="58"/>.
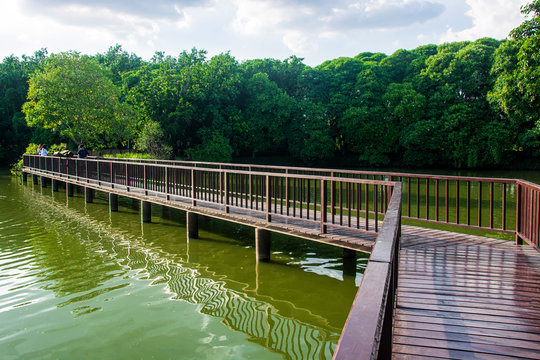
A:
<point x="427" y="198"/>
<point x="287" y="181"/>
<point x="375" y="191"/>
<point x="275" y="193"/>
<point x="315" y="200"/>
<point x="358" y="204"/>
<point x="468" y="203"/>
<point x="301" y="195"/>
<point x="308" y="200"/>
<point x="418" y="198"/>
<point x="479" y="204"/>
<point x="332" y="198"/>
<point x="268" y="205"/>
<point x="323" y="207"/>
<point x="367" y="206"/>
<point x="341" y="203"/>
<point x="436" y="199"/>
<point x="457" y="201"/>
<point x="491" y="205"/>
<point x="408" y="196"/>
<point x="504" y="206"/>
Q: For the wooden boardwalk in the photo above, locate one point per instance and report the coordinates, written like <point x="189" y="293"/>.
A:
<point x="458" y="296"/>
<point x="466" y="297"/>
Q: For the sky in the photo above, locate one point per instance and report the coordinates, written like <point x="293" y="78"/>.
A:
<point x="315" y="30"/>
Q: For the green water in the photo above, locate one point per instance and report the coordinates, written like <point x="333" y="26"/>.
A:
<point x="79" y="282"/>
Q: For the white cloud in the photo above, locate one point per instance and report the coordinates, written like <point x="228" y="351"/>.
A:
<point x="299" y="43"/>
<point x="491" y="18"/>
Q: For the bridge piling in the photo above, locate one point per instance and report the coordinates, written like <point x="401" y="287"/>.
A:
<point x="349" y="262"/>
<point x="88" y="195"/>
<point x="192" y="224"/>
<point x="24" y="177"/>
<point x="263" y="244"/>
<point x="69" y="189"/>
<point x="54" y="184"/>
<point x="146" y="211"/>
<point x="113" y="202"/>
<point x="43" y="182"/>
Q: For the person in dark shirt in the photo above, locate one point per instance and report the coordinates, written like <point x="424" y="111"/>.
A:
<point x="83" y="153"/>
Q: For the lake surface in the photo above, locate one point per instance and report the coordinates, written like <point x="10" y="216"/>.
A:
<point x="79" y="282"/>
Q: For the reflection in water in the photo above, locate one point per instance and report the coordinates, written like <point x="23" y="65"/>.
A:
<point x="282" y="308"/>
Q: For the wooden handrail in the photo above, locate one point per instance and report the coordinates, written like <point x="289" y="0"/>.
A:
<point x="368" y="331"/>
<point x="426" y="198"/>
<point x="270" y="192"/>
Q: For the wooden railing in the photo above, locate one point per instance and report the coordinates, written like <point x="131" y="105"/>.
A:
<point x="330" y="202"/>
<point x="353" y="200"/>
<point x="473" y="202"/>
<point x="368" y="331"/>
<point x="528" y="213"/>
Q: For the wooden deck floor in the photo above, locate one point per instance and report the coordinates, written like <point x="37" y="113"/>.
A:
<point x="466" y="297"/>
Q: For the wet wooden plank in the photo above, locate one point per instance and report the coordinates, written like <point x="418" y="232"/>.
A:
<point x="466" y="297"/>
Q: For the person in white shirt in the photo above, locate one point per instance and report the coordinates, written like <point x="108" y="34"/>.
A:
<point x="44" y="151"/>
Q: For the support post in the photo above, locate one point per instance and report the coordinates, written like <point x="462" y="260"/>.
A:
<point x="24" y="177"/>
<point x="146" y="211"/>
<point x="349" y="262"/>
<point x="69" y="189"/>
<point x="43" y="181"/>
<point x="113" y="202"/>
<point x="192" y="224"/>
<point x="263" y="244"/>
<point x="88" y="195"/>
<point x="54" y="184"/>
<point x="35" y="179"/>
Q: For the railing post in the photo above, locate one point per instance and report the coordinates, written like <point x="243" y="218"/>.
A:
<point x="111" y="174"/>
<point x="144" y="180"/>
<point x="268" y="216"/>
<point x="323" y="207"/>
<point x="193" y="190"/>
<point x="226" y="191"/>
<point x="86" y="170"/>
<point x="98" y="172"/>
<point x="519" y="240"/>
<point x="127" y="176"/>
<point x="167" y="183"/>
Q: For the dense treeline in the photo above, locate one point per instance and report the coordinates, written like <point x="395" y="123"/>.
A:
<point x="461" y="104"/>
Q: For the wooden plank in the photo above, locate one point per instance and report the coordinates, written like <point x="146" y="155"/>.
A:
<point x="411" y="352"/>
<point x="444" y="335"/>
<point x="471" y="330"/>
<point x="483" y="321"/>
<point x="491" y="349"/>
<point x="475" y="323"/>
<point x="472" y="300"/>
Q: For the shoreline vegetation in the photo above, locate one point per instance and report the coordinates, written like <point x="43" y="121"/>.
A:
<point x="460" y="105"/>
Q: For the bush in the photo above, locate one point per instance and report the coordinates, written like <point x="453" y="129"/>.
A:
<point x="128" y="155"/>
<point x="214" y="149"/>
<point x="152" y="141"/>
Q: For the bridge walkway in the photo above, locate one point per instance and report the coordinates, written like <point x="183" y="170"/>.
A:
<point x="466" y="297"/>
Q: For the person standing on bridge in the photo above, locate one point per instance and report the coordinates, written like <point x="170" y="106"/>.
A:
<point x="83" y="153"/>
<point x="43" y="151"/>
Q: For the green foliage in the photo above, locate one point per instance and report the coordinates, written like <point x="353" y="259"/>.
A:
<point x="460" y="104"/>
<point x="129" y="155"/>
<point x="215" y="148"/>
<point x="151" y="141"/>
<point x="73" y="97"/>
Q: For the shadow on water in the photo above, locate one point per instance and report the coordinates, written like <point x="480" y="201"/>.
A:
<point x="295" y="306"/>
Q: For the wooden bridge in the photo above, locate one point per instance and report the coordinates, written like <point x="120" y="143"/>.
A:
<point x="458" y="296"/>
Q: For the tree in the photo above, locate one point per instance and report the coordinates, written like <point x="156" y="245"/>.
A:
<point x="267" y="110"/>
<point x="310" y="136"/>
<point x="215" y="148"/>
<point x="73" y="96"/>
<point x="516" y="91"/>
<point x="152" y="141"/>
